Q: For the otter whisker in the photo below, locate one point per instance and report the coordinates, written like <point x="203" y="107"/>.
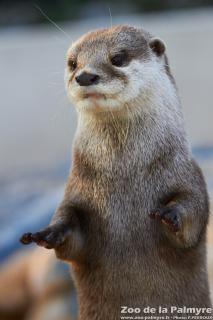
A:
<point x="128" y="124"/>
<point x="117" y="129"/>
<point x="51" y="21"/>
<point x="110" y="14"/>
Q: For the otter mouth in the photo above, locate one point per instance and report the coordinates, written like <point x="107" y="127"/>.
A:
<point x="94" y="96"/>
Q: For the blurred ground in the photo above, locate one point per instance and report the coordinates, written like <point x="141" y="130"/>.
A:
<point x="36" y="286"/>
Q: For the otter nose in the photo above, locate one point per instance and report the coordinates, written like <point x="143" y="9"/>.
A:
<point x="87" y="79"/>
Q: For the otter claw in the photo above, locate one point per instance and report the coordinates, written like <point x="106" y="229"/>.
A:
<point x="26" y="238"/>
<point x="49" y="238"/>
<point x="40" y="238"/>
<point x="167" y="216"/>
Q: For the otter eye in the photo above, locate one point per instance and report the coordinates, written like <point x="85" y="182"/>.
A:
<point x="72" y="64"/>
<point x="118" y="60"/>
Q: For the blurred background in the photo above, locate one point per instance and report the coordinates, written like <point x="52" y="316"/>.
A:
<point x="37" y="125"/>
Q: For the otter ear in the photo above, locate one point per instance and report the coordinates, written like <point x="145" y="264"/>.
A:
<point x="157" y="46"/>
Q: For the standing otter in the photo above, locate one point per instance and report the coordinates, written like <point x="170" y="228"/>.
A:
<point x="133" y="219"/>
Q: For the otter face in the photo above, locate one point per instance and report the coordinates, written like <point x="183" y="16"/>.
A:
<point x="108" y="69"/>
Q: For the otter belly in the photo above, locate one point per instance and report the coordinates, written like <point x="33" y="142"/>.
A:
<point x="137" y="269"/>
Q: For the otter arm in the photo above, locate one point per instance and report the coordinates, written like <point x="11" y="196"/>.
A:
<point x="64" y="234"/>
<point x="183" y="213"/>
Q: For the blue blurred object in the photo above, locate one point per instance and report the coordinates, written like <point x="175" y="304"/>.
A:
<point x="27" y="203"/>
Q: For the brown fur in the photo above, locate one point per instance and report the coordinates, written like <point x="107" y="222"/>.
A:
<point x="120" y="256"/>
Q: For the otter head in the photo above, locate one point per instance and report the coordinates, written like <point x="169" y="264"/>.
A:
<point x="112" y="68"/>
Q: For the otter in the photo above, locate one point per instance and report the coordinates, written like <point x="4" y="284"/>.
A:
<point x="133" y="220"/>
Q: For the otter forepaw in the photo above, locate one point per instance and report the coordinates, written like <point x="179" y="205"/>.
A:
<point x="50" y="238"/>
<point x="168" y="216"/>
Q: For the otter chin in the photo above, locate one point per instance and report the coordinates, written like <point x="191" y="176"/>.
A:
<point x="86" y="100"/>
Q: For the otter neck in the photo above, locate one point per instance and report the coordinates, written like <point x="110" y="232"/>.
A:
<point x="108" y="137"/>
